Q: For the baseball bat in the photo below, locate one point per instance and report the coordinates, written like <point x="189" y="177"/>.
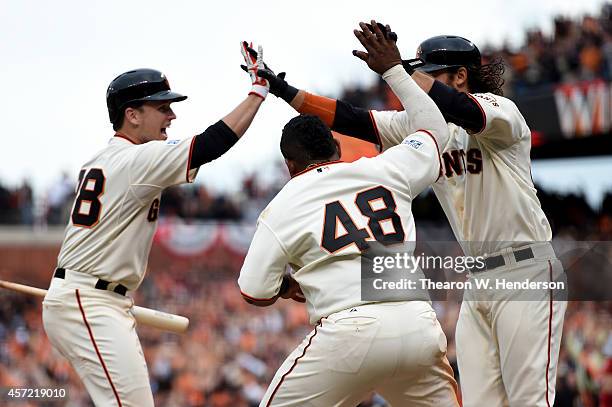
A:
<point x="145" y="316"/>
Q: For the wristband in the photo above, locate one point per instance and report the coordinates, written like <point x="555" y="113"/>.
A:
<point x="259" y="90"/>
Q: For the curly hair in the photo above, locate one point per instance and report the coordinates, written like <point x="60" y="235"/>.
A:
<point x="305" y="139"/>
<point x="487" y="78"/>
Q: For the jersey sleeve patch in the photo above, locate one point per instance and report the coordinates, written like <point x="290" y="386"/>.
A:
<point x="416" y="144"/>
<point x="172" y="142"/>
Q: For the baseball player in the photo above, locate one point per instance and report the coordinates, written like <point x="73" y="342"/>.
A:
<point x="507" y="343"/>
<point x="319" y="223"/>
<point x="86" y="312"/>
<point x="507" y="349"/>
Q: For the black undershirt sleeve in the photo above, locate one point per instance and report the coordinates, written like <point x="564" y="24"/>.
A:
<point x="457" y="107"/>
<point x="212" y="144"/>
<point x="354" y="122"/>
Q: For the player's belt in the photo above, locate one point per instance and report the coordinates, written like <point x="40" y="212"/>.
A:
<point x="100" y="284"/>
<point x="494" y="262"/>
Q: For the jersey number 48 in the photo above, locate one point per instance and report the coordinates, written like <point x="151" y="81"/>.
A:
<point x="378" y="205"/>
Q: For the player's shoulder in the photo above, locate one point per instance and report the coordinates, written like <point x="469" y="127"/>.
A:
<point x="500" y="108"/>
<point x="123" y="155"/>
<point x="284" y="200"/>
<point x="136" y="153"/>
<point x="277" y="211"/>
<point x="115" y="156"/>
<point x="119" y="150"/>
<point x="122" y="143"/>
<point x="104" y="154"/>
<point x="492" y="100"/>
<point x="388" y="114"/>
<point x="489" y="98"/>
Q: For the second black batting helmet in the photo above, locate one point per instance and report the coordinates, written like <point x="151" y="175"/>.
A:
<point x="139" y="85"/>
<point x="446" y="51"/>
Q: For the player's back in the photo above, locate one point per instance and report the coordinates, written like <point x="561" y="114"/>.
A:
<point x="319" y="224"/>
<point x="325" y="216"/>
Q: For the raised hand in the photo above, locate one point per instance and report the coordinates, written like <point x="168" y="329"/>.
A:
<point x="382" y="53"/>
<point x="278" y="85"/>
<point x="385" y="29"/>
<point x="261" y="86"/>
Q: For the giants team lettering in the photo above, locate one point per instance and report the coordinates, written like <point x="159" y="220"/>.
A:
<point x="457" y="162"/>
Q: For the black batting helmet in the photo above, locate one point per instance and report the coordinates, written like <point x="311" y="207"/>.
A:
<point x="139" y="85"/>
<point x="447" y="51"/>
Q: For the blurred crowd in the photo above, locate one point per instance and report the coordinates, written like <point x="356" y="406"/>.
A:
<point x="19" y="206"/>
<point x="575" y="50"/>
<point x="567" y="212"/>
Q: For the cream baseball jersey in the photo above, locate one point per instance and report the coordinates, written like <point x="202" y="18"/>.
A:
<point x="323" y="218"/>
<point x="114" y="216"/>
<point x="486" y="188"/>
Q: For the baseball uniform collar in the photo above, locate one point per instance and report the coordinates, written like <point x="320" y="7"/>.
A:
<point x="314" y="166"/>
<point x="123" y="136"/>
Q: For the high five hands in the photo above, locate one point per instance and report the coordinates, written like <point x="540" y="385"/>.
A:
<point x="379" y="42"/>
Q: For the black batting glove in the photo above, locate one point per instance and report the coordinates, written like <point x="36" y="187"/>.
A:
<point x="278" y="85"/>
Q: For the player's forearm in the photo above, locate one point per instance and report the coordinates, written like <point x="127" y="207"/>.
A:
<point x="242" y="116"/>
<point x="286" y="290"/>
<point x="424" y="81"/>
<point x="298" y="100"/>
<point x="260" y="303"/>
<point x="421" y="109"/>
<point x="221" y="136"/>
<point x="457" y="107"/>
<point x="211" y="144"/>
<point x="338" y="115"/>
